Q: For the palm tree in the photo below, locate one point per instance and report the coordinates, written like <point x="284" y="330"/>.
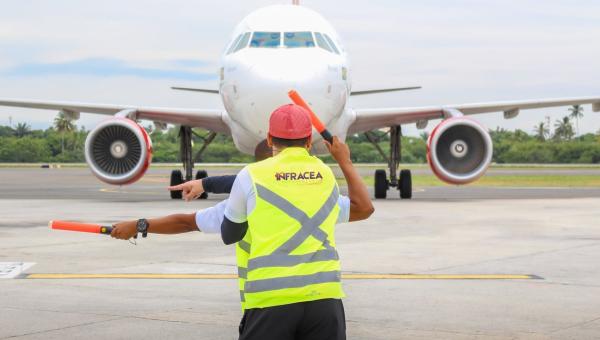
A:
<point x="563" y="129"/>
<point x="22" y="130"/>
<point x="576" y="112"/>
<point x="62" y="125"/>
<point x="541" y="131"/>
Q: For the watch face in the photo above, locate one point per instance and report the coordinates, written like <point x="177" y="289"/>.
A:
<point x="142" y="225"/>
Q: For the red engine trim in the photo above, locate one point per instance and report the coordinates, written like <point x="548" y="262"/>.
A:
<point x="429" y="161"/>
<point x="147" y="144"/>
<point x="149" y="150"/>
<point x="430" y="150"/>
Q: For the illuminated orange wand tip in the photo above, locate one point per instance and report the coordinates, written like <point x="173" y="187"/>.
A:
<point x="316" y="122"/>
<point x="80" y="227"/>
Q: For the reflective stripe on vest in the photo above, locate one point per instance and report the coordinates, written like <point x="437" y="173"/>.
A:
<point x="245" y="246"/>
<point x="291" y="281"/>
<point x="281" y="256"/>
<point x="242" y="273"/>
<point x="309" y="227"/>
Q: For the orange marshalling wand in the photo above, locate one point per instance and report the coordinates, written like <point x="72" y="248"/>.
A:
<point x="316" y="122"/>
<point x="80" y="227"/>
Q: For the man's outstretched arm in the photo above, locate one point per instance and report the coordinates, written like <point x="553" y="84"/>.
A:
<point x="361" y="206"/>
<point x="215" y="184"/>
<point x="172" y="224"/>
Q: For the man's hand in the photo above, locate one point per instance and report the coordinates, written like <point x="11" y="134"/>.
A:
<point x="339" y="150"/>
<point x="191" y="190"/>
<point x="124" y="230"/>
<point x="360" y="203"/>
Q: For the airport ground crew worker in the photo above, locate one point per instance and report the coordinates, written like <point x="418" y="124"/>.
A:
<point x="313" y="311"/>
<point x="282" y="214"/>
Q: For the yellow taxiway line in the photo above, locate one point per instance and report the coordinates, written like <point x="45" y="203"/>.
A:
<point x="234" y="276"/>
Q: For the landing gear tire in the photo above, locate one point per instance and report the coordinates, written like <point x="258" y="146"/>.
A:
<point x="381" y="184"/>
<point x="176" y="179"/>
<point x="200" y="175"/>
<point x="405" y="184"/>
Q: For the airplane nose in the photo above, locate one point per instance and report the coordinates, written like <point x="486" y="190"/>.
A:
<point x="264" y="80"/>
<point x="286" y="72"/>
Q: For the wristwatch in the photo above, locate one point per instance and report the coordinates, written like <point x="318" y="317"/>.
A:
<point x="142" y="226"/>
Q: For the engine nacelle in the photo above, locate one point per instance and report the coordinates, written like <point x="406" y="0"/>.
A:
<point x="459" y="150"/>
<point x="118" y="151"/>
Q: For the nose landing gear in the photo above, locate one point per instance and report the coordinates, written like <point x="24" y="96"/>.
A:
<point x="403" y="182"/>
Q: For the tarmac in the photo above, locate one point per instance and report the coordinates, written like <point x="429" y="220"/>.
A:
<point x="453" y="263"/>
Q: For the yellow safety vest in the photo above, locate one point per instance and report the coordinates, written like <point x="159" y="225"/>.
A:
<point x="288" y="254"/>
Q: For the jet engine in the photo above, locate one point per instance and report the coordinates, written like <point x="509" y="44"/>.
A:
<point x="459" y="150"/>
<point x="118" y="151"/>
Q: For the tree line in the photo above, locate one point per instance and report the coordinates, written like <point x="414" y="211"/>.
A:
<point x="545" y="143"/>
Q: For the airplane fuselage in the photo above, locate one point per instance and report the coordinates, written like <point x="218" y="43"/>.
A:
<point x="268" y="57"/>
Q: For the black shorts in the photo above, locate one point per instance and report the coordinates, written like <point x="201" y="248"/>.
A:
<point x="314" y="320"/>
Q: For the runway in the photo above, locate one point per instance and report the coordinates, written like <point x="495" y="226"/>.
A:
<point x="78" y="183"/>
<point x="453" y="263"/>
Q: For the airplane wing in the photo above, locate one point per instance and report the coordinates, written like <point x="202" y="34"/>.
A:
<point x="360" y="93"/>
<point x="370" y="119"/>
<point x="209" y="119"/>
<point x="193" y="89"/>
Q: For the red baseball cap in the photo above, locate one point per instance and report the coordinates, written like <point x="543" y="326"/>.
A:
<point x="290" y="121"/>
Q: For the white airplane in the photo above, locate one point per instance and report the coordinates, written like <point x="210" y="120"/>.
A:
<point x="273" y="50"/>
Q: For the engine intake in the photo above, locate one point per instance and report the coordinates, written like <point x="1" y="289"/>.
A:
<point x="459" y="150"/>
<point x="118" y="151"/>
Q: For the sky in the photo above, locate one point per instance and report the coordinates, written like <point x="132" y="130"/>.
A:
<point x="462" y="51"/>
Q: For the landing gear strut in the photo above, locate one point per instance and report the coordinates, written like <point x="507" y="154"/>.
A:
<point x="404" y="182"/>
<point x="185" y="152"/>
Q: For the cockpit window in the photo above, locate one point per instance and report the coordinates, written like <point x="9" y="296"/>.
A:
<point x="298" y="39"/>
<point x="322" y="43"/>
<point x="290" y="40"/>
<point x="243" y="42"/>
<point x="234" y="44"/>
<point x="266" y="39"/>
<point x="332" y="44"/>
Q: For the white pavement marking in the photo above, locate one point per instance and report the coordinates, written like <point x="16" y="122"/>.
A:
<point x="10" y="270"/>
